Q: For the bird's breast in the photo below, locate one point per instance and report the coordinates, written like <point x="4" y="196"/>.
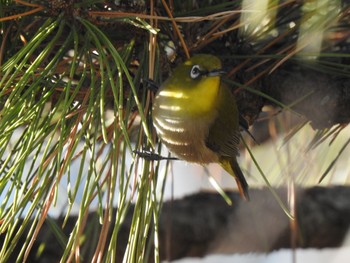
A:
<point x="182" y="132"/>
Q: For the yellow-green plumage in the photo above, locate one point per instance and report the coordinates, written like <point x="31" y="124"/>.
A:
<point x="196" y="116"/>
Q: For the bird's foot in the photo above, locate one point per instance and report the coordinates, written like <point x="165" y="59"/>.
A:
<point x="152" y="156"/>
<point x="151" y="84"/>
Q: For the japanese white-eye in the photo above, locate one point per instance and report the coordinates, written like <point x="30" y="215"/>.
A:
<point x="196" y="116"/>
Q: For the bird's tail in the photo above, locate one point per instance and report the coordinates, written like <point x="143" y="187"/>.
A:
<point x="232" y="167"/>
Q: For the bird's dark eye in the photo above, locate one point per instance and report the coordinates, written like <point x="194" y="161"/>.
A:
<point x="195" y="72"/>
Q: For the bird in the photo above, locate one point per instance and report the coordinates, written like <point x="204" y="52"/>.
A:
<point x="196" y="116"/>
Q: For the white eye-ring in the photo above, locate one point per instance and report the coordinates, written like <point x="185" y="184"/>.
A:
<point x="195" y="72"/>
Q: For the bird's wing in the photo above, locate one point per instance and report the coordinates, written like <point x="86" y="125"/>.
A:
<point x="223" y="137"/>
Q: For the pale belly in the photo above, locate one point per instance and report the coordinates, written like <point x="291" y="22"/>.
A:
<point x="186" y="137"/>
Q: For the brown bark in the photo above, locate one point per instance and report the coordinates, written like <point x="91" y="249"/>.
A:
<point x="203" y="223"/>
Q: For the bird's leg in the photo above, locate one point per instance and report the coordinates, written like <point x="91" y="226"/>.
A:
<point x="152" y="156"/>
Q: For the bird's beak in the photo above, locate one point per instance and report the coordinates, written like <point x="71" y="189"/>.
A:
<point x="216" y="72"/>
